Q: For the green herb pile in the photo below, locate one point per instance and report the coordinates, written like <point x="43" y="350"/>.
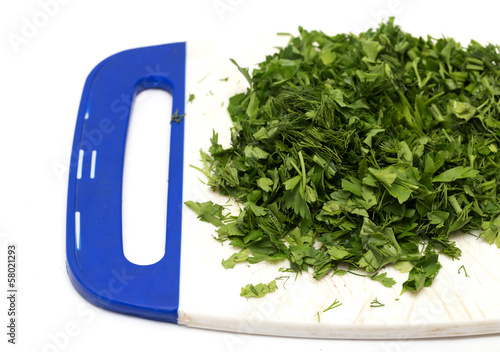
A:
<point x="361" y="150"/>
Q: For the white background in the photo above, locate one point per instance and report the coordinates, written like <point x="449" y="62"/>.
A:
<point x="46" y="54"/>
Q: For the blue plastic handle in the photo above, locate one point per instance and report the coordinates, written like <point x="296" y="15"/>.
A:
<point x="95" y="260"/>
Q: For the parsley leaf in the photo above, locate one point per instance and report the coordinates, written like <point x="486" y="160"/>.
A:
<point x="241" y="256"/>
<point x="259" y="290"/>
<point x="423" y="273"/>
<point x="208" y="212"/>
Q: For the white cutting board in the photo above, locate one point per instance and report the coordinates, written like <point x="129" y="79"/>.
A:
<point x="209" y="294"/>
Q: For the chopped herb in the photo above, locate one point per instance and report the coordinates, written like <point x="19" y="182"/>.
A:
<point x="423" y="273"/>
<point x="244" y="72"/>
<point x="203" y="78"/>
<point x="361" y="151"/>
<point x="191" y="98"/>
<point x="259" y="290"/>
<point x="335" y="304"/>
<point x="176" y="117"/>
<point x="224" y="79"/>
<point x="283" y="277"/>
<point x="339" y="272"/>
<point x="403" y="266"/>
<point x="208" y="212"/>
<point x="465" y="271"/>
<point x="241" y="256"/>
<point x="386" y="281"/>
<point x="376" y="304"/>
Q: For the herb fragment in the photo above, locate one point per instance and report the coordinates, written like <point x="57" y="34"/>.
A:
<point x="203" y="78"/>
<point x="335" y="304"/>
<point x="423" y="273"/>
<point x="286" y="278"/>
<point x="241" y="256"/>
<point x="376" y="304"/>
<point x="259" y="290"/>
<point x="176" y="117"/>
<point x="465" y="271"/>
<point x="208" y="212"/>
<point x="386" y="281"/>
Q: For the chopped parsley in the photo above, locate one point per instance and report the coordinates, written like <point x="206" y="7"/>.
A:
<point x="365" y="151"/>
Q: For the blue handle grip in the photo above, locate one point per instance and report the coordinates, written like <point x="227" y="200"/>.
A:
<point x="95" y="260"/>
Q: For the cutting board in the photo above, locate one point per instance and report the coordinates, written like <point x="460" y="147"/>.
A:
<point x="188" y="285"/>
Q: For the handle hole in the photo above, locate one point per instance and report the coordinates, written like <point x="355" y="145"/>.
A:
<point x="145" y="177"/>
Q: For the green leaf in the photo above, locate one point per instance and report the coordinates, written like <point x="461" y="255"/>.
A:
<point x="462" y="110"/>
<point x="241" y="256"/>
<point x="253" y="107"/>
<point x="437" y="217"/>
<point x="380" y="245"/>
<point x="386" y="281"/>
<point x="292" y="183"/>
<point x="259" y="290"/>
<point x="257" y="210"/>
<point x="235" y="108"/>
<point x="352" y="185"/>
<point x="456" y="173"/>
<point x="261" y="134"/>
<point x="265" y="184"/>
<point x="207" y="211"/>
<point x="403" y="266"/>
<point x="371" y="48"/>
<point x="255" y="152"/>
<point x="230" y="230"/>
<point x="386" y="177"/>
<point x="328" y="56"/>
<point x="338" y="252"/>
<point x="432" y="164"/>
<point x="423" y="273"/>
<point x="491" y="230"/>
<point x="370" y="134"/>
<point x="244" y="72"/>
